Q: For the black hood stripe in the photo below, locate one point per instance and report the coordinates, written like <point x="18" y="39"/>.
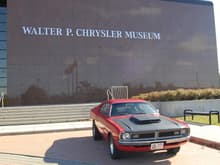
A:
<point x="164" y="124"/>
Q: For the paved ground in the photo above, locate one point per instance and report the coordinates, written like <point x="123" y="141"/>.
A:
<point x="78" y="148"/>
<point x="211" y="132"/>
<point x="201" y="134"/>
<point x="208" y="135"/>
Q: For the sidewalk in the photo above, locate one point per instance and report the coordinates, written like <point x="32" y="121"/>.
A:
<point x="208" y="135"/>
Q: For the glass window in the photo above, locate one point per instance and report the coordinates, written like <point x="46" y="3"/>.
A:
<point x="3" y="63"/>
<point x="3" y="82"/>
<point x="3" y="45"/>
<point x="3" y="10"/>
<point x="105" y="109"/>
<point x="132" y="108"/>
<point x="2" y="53"/>
<point x="3" y="36"/>
<point x="3" y="73"/>
<point x="3" y="26"/>
<point x="3" y="89"/>
<point x="2" y="18"/>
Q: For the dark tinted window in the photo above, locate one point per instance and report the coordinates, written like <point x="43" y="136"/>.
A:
<point x="105" y="109"/>
<point x="3" y="47"/>
<point x="3" y="73"/>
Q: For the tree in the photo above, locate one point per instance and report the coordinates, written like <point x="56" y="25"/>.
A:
<point x="34" y="95"/>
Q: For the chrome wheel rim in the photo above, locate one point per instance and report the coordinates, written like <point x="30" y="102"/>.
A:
<point x="111" y="146"/>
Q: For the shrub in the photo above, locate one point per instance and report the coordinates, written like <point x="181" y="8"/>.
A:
<point x="180" y="94"/>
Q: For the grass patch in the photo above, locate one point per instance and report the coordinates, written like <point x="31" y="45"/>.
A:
<point x="201" y="119"/>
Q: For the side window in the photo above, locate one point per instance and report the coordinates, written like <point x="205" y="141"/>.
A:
<point x="105" y="109"/>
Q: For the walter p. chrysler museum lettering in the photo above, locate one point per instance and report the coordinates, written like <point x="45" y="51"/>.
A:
<point x="82" y="32"/>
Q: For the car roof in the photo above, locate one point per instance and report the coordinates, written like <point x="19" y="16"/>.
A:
<point x="113" y="101"/>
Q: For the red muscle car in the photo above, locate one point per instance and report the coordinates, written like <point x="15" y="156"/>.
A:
<point x="136" y="125"/>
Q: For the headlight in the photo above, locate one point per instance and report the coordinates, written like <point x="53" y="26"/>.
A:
<point x="125" y="136"/>
<point x="185" y="131"/>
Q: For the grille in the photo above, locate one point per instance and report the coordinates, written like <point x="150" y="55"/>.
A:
<point x="170" y="133"/>
<point x="155" y="134"/>
<point x="143" y="136"/>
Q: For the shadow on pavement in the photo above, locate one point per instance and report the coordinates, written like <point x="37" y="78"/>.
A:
<point x="86" y="151"/>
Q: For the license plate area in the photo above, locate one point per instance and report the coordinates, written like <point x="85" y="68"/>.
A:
<point x="157" y="146"/>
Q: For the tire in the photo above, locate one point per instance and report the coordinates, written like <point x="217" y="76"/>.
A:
<point x="95" y="132"/>
<point x="113" y="151"/>
<point x="173" y="151"/>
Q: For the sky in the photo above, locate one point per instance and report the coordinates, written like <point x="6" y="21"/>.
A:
<point x="217" y="25"/>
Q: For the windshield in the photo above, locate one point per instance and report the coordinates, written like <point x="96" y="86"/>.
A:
<point x="119" y="109"/>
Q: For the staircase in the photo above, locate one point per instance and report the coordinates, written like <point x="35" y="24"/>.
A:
<point x="44" y="114"/>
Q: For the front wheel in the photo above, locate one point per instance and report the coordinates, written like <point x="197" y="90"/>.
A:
<point x="114" y="152"/>
<point x="95" y="132"/>
<point x="173" y="151"/>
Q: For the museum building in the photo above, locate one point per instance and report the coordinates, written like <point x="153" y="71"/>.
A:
<point x="55" y="52"/>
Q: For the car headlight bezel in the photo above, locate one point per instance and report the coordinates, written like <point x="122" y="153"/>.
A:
<point x="125" y="136"/>
<point x="185" y="131"/>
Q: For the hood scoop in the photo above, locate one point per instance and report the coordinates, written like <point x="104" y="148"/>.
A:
<point x="144" y="119"/>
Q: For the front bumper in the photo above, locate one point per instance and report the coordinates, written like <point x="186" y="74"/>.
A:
<point x="143" y="142"/>
<point x="143" y="145"/>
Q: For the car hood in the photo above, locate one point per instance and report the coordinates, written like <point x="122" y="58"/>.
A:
<point x="143" y="123"/>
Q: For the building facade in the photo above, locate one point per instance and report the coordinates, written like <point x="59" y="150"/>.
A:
<point x="3" y="48"/>
<point x="72" y="51"/>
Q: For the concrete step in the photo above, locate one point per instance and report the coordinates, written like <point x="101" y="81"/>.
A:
<point x="49" y="107"/>
<point x="43" y="110"/>
<point x="42" y="121"/>
<point x="44" y="114"/>
<point x="33" y="116"/>
<point x="34" y="113"/>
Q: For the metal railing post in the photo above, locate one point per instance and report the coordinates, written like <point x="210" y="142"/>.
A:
<point x="109" y="94"/>
<point x="2" y="99"/>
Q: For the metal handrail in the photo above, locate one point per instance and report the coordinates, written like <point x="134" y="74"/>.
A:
<point x="114" y="92"/>
<point x="2" y="99"/>
<point x="109" y="93"/>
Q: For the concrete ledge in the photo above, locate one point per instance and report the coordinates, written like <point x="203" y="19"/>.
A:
<point x="43" y="128"/>
<point x="205" y="142"/>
